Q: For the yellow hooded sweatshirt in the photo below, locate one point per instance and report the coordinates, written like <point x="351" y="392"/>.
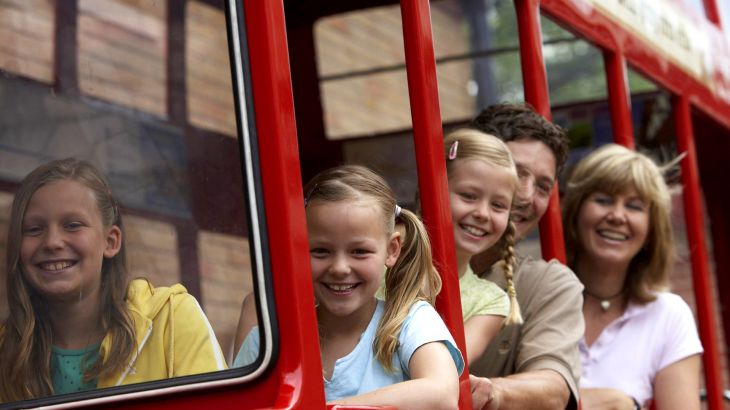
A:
<point x="174" y="338"/>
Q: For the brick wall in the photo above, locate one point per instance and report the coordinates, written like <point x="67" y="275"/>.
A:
<point x="681" y="279"/>
<point x="365" y="104"/>
<point x="225" y="273"/>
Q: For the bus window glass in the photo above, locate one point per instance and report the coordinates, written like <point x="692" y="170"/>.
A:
<point x="577" y="92"/>
<point x="141" y="90"/>
<point x="574" y="66"/>
<point x="361" y="67"/>
<point x="362" y="72"/>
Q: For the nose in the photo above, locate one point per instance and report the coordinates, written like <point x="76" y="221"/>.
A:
<point x="339" y="265"/>
<point x="53" y="238"/>
<point x="481" y="211"/>
<point x="617" y="214"/>
<point x="526" y="192"/>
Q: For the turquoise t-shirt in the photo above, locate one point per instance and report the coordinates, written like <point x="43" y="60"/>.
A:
<point x="68" y="366"/>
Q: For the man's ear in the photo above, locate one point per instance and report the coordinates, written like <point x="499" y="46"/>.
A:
<point x="394" y="247"/>
<point x="113" y="242"/>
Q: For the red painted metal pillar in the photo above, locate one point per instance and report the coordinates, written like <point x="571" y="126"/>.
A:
<point x="432" y="180"/>
<point x="535" y="82"/>
<point x="298" y="370"/>
<point x="619" y="98"/>
<point x="698" y="251"/>
<point x="713" y="12"/>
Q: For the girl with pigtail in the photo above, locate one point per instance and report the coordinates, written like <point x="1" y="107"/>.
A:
<point x="395" y="352"/>
<point x="482" y="183"/>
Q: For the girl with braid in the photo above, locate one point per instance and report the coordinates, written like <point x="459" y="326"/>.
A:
<point x="482" y="183"/>
<point x="396" y="352"/>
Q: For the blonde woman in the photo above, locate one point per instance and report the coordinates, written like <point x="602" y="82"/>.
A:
<point x="640" y="344"/>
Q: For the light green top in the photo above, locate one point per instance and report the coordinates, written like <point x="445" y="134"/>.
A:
<point x="481" y="297"/>
<point x="68" y="366"/>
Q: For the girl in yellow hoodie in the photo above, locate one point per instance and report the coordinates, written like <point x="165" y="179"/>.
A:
<point x="75" y="323"/>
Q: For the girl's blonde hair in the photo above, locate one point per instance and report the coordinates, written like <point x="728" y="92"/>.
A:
<point x="26" y="337"/>
<point x="469" y="143"/>
<point x="613" y="169"/>
<point x="413" y="276"/>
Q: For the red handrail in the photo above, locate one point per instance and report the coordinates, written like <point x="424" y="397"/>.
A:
<point x="619" y="99"/>
<point x="712" y="12"/>
<point x="698" y="251"/>
<point x="535" y="83"/>
<point x="432" y="180"/>
<point x="298" y="371"/>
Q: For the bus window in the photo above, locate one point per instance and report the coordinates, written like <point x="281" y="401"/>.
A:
<point x="574" y="66"/>
<point x="142" y="91"/>
<point x="364" y="90"/>
<point x="363" y="84"/>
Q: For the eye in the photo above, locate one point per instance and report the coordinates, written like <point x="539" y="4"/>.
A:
<point x="468" y="196"/>
<point x="522" y="171"/>
<point x="318" y="252"/>
<point x="500" y="205"/>
<point x="361" y="252"/>
<point x="74" y="226"/>
<point x="636" y="205"/>
<point x="544" y="188"/>
<point x="33" y="230"/>
<point x="603" y="199"/>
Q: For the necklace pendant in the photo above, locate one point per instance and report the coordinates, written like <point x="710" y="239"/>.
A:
<point x="605" y="304"/>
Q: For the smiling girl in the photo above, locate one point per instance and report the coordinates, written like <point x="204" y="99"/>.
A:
<point x="74" y="322"/>
<point x="482" y="184"/>
<point x="395" y="352"/>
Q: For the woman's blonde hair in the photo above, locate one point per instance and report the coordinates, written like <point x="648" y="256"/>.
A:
<point x="413" y="276"/>
<point x="467" y="143"/>
<point x="26" y="337"/>
<point x="614" y="169"/>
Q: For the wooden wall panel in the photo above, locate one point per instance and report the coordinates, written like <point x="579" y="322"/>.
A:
<point x="225" y="270"/>
<point x="27" y="30"/>
<point x="208" y="79"/>
<point x="152" y="250"/>
<point x="122" y="50"/>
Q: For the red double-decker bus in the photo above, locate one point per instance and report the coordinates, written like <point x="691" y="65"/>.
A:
<point x="206" y="116"/>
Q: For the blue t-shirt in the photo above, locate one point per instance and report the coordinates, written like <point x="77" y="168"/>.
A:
<point x="360" y="371"/>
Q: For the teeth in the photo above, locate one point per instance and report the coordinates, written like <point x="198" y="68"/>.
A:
<point x="52" y="266"/>
<point x="474" y="231"/>
<point x="340" y="288"/>
<point x="613" y="235"/>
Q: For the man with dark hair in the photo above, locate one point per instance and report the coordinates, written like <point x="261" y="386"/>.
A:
<point x="535" y="365"/>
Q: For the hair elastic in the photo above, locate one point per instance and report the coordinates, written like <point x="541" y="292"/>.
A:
<point x="453" y="149"/>
<point x="397" y="211"/>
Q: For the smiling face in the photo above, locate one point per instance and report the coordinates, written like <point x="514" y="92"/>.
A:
<point x="64" y="242"/>
<point x="536" y="168"/>
<point x="612" y="229"/>
<point x="349" y="249"/>
<point x="481" y="198"/>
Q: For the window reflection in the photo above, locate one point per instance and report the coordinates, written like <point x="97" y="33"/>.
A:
<point x="144" y="94"/>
